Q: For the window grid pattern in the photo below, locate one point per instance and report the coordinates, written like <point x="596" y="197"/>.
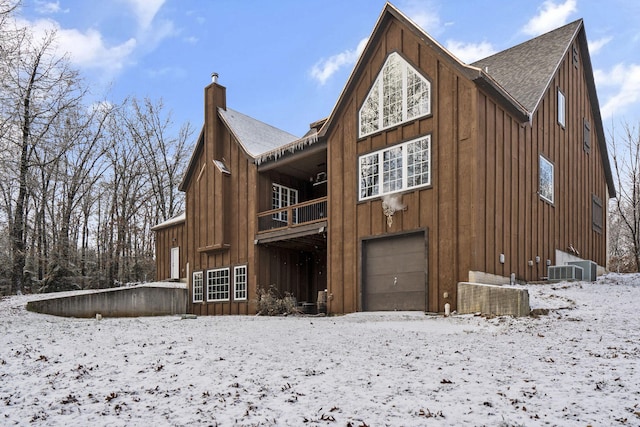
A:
<point x="392" y="92"/>
<point x="399" y="93"/>
<point x="198" y="287"/>
<point x="369" y="176"/>
<point x="404" y="166"/>
<point x="417" y="95"/>
<point x="392" y="169"/>
<point x="546" y="179"/>
<point x="370" y="114"/>
<point x="281" y="197"/>
<point x="240" y="283"/>
<point x="418" y="161"/>
<point x="218" y="285"/>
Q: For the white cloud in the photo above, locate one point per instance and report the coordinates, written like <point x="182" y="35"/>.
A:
<point x="49" y="7"/>
<point x="86" y="49"/>
<point x="423" y="14"/>
<point x="145" y="11"/>
<point x="596" y="45"/>
<point x="549" y="17"/>
<point x="624" y="80"/>
<point x="470" y="52"/>
<point x="325" y="68"/>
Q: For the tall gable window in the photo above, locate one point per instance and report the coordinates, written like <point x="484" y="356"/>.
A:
<point x="398" y="168"/>
<point x="546" y="179"/>
<point x="399" y="94"/>
<point x="561" y="108"/>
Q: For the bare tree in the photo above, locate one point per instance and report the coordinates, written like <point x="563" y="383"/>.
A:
<point x="165" y="153"/>
<point x="38" y="86"/>
<point x="625" y="154"/>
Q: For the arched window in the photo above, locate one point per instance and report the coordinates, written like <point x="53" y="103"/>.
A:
<point x="399" y="94"/>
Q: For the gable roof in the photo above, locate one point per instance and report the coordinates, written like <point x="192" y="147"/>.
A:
<point x="526" y="70"/>
<point x="517" y="77"/>
<point x="256" y="137"/>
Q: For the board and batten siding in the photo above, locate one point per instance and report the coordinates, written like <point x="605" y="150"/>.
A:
<point x="171" y="236"/>
<point x="444" y="209"/>
<point x="221" y="210"/>
<point x="516" y="221"/>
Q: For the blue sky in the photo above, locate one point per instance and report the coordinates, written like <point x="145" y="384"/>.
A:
<point x="285" y="62"/>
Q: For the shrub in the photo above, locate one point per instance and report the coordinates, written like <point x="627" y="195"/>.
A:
<point x="271" y="303"/>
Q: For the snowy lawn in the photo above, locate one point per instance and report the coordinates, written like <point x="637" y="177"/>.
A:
<point x="578" y="365"/>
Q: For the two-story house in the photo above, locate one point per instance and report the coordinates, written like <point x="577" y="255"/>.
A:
<point x="428" y="172"/>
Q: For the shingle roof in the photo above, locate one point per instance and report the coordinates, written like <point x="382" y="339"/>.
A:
<point x="525" y="70"/>
<point x="255" y="136"/>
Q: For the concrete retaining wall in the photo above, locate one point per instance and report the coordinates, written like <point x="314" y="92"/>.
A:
<point x="492" y="300"/>
<point x="142" y="300"/>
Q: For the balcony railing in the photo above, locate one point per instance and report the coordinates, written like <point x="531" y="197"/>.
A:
<point x="293" y="216"/>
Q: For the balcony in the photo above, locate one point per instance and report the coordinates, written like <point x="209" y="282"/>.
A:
<point x="302" y="221"/>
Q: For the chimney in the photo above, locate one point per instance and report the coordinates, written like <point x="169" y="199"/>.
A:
<point x="214" y="77"/>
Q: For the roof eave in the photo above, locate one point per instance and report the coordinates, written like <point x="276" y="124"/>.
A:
<point x="192" y="162"/>
<point x="486" y="82"/>
<point x="595" y="109"/>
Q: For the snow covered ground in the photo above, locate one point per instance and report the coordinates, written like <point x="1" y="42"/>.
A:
<point x="578" y="365"/>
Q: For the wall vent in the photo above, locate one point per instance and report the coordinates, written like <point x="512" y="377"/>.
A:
<point x="558" y="273"/>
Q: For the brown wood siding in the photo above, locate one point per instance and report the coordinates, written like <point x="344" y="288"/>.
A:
<point x="518" y="223"/>
<point x="221" y="238"/>
<point x="440" y="209"/>
<point x="167" y="238"/>
<point x="484" y="198"/>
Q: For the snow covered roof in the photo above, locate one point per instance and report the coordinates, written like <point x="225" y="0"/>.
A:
<point x="255" y="136"/>
<point x="172" y="221"/>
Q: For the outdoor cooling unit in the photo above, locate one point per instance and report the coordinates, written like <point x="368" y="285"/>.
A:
<point x="589" y="269"/>
<point x="558" y="273"/>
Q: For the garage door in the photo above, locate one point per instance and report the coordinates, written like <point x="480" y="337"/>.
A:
<point x="394" y="276"/>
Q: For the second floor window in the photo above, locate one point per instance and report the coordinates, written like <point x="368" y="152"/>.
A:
<point x="398" y="168"/>
<point x="283" y="197"/>
<point x="546" y="179"/>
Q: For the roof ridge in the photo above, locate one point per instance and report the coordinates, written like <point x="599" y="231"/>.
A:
<point x="526" y="69"/>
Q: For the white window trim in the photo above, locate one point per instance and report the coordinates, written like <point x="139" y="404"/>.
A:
<point x="198" y="274"/>
<point x="543" y="160"/>
<point x="227" y="285"/>
<point x="281" y="216"/>
<point x="562" y="108"/>
<point x="240" y="270"/>
<point x="377" y="91"/>
<point x="405" y="165"/>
